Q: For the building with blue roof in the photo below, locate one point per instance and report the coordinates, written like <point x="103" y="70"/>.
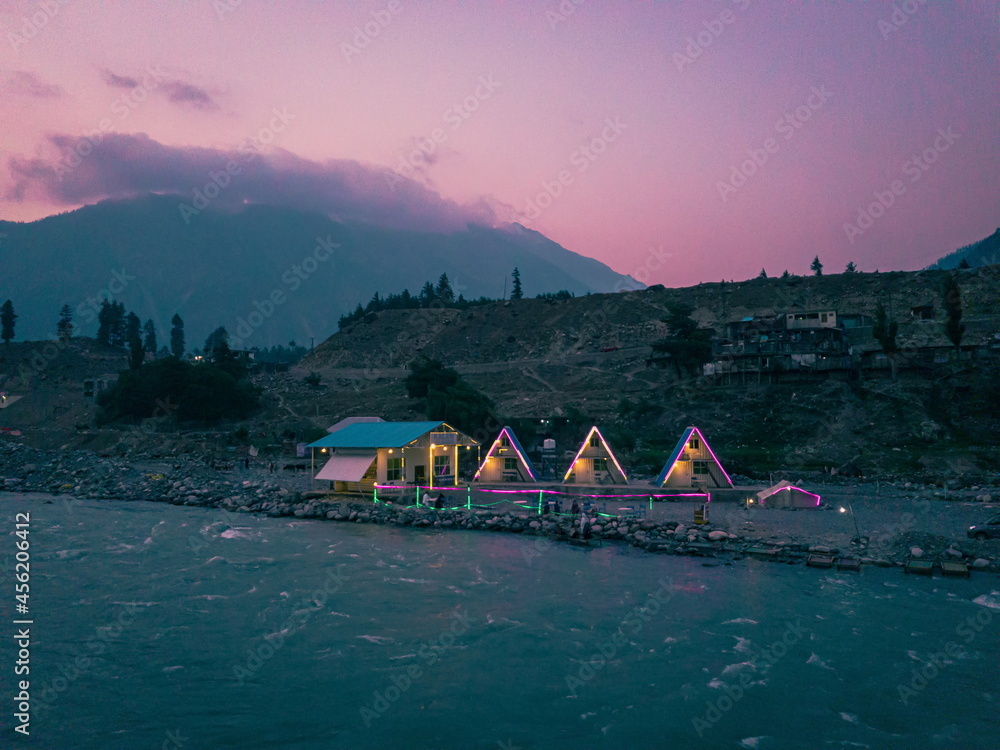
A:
<point x="363" y="454"/>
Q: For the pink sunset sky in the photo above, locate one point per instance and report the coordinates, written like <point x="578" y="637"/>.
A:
<point x="676" y="143"/>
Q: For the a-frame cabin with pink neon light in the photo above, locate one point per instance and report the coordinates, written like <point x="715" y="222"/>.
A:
<point x="693" y="465"/>
<point x="506" y="461"/>
<point x="595" y="463"/>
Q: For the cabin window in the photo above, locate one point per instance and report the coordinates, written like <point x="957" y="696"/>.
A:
<point x="694" y="444"/>
<point x="822" y="317"/>
<point x="510" y="464"/>
<point x="595" y="442"/>
<point x="442" y="465"/>
<point x="394" y="469"/>
<point x="505" y="441"/>
<point x="700" y="467"/>
<point x="600" y="464"/>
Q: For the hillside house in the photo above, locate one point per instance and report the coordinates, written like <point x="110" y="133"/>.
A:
<point x="693" y="465"/>
<point x="781" y="346"/>
<point x="595" y="463"/>
<point x="361" y="454"/>
<point x="506" y="461"/>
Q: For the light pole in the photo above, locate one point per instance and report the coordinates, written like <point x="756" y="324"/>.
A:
<point x="854" y="518"/>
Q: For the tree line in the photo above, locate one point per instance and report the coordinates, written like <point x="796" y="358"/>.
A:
<point x="440" y="295"/>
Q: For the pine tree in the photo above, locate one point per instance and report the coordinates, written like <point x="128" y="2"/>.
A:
<point x="177" y="336"/>
<point x="149" y="337"/>
<point x="816" y="266"/>
<point x="136" y="354"/>
<point x="444" y="290"/>
<point x="117" y="331"/>
<point x="133" y="328"/>
<point x="786" y="275"/>
<point x="64" y="328"/>
<point x="515" y="290"/>
<point x="884" y="331"/>
<point x="850" y="268"/>
<point x="215" y="342"/>
<point x="427" y="294"/>
<point x="954" y="328"/>
<point x="964" y="263"/>
<point x="762" y="274"/>
<point x="104" y="324"/>
<point x="7" y="320"/>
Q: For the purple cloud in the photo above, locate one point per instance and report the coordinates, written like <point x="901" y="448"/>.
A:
<point x="26" y="83"/>
<point x="128" y="165"/>
<point x="180" y="92"/>
<point x="119" y="82"/>
<point x="176" y="91"/>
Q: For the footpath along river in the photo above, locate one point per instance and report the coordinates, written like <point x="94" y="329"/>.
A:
<point x="181" y="627"/>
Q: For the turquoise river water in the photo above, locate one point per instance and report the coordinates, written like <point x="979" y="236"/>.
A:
<point x="155" y="626"/>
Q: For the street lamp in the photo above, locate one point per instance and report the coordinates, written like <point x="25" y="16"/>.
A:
<point x="854" y="518"/>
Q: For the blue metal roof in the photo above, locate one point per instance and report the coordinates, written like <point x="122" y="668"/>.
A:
<point x="522" y="451"/>
<point x="662" y="477"/>
<point x="376" y="435"/>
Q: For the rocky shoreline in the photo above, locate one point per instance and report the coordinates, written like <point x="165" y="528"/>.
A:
<point x="85" y="475"/>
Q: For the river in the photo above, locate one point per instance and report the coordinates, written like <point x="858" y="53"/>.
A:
<point x="162" y="626"/>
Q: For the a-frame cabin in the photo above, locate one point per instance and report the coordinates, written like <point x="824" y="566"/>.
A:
<point x="506" y="461"/>
<point x="693" y="465"/>
<point x="595" y="463"/>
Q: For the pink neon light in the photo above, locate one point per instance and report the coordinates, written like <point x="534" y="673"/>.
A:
<point x="489" y="454"/>
<point x="583" y="447"/>
<point x="714" y="457"/>
<point x="717" y="461"/>
<point x="533" y="492"/>
<point x="793" y="487"/>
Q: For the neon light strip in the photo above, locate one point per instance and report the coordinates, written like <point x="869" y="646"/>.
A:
<point x="792" y="487"/>
<point x="513" y="444"/>
<point x="717" y="461"/>
<point x="714" y="457"/>
<point x="531" y="492"/>
<point x="583" y="447"/>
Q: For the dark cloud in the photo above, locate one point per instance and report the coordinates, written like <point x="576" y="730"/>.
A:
<point x="180" y="92"/>
<point x="26" y="83"/>
<point x="175" y="91"/>
<point x="119" y="82"/>
<point x="122" y="166"/>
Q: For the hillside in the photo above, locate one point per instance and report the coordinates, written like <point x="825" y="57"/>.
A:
<point x="983" y="253"/>
<point x="262" y="271"/>
<point x="541" y="359"/>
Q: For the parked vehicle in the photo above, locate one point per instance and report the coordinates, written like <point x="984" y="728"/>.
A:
<point x="988" y="530"/>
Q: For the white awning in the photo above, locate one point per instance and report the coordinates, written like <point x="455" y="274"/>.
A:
<point x="346" y="468"/>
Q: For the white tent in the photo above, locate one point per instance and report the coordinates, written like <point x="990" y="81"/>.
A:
<point x="786" y="495"/>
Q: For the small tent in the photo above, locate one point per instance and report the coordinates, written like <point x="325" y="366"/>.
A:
<point x="595" y="463"/>
<point x="506" y="461"/>
<point x="693" y="465"/>
<point x="786" y="495"/>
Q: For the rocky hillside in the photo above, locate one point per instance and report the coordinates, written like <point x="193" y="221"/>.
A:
<point x="577" y="360"/>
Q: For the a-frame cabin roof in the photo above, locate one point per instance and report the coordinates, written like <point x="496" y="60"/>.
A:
<point x="679" y="448"/>
<point x="604" y="443"/>
<point x="521" y="453"/>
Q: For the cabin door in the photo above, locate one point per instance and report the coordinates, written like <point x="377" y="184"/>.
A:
<point x="419" y="474"/>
